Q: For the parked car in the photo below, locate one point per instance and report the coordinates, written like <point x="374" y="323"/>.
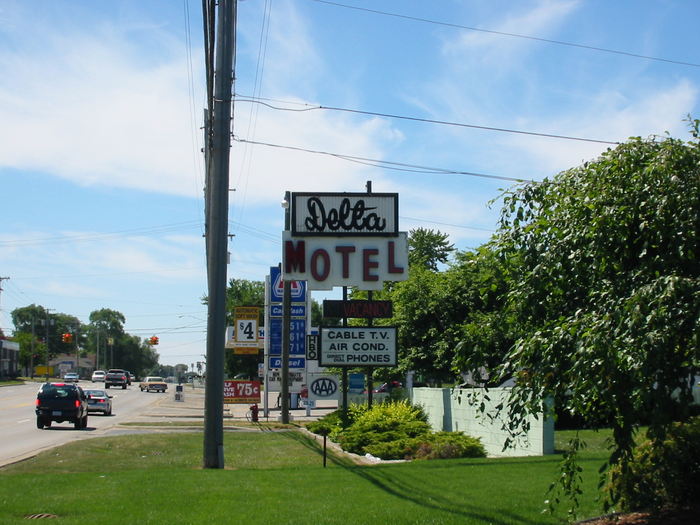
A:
<point x="98" y="375"/>
<point x="61" y="402"/>
<point x="71" y="377"/>
<point x="99" y="401"/>
<point x="387" y="387"/>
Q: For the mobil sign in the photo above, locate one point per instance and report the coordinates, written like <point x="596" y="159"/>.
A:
<point x="345" y="239"/>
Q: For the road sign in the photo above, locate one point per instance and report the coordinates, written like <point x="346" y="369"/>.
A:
<point x="298" y="310"/>
<point x="297" y="337"/>
<point x="241" y="392"/>
<point x="298" y="288"/>
<point x="357" y="309"/>
<point x="312" y="347"/>
<point x="245" y="330"/>
<point x="323" y="387"/>
<point x="358" y="346"/>
<point x="294" y="362"/>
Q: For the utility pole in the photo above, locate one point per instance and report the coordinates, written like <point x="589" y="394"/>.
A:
<point x="217" y="231"/>
<point x="1" y="280"/>
<point x="47" y="323"/>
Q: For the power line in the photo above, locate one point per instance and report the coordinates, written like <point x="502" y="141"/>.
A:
<point x="427" y="120"/>
<point x="513" y="35"/>
<point x="99" y="236"/>
<point x="397" y="166"/>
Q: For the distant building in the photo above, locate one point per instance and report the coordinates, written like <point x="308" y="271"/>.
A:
<point x="66" y="363"/>
<point x="9" y="359"/>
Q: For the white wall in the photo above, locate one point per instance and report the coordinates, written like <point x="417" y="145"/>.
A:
<point x="451" y="410"/>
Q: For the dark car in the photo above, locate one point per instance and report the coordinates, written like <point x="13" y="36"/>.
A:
<point x="99" y="401"/>
<point x="61" y="402"/>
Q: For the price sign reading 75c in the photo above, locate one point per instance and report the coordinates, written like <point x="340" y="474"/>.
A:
<point x="241" y="391"/>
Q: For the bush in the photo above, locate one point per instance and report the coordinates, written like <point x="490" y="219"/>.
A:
<point x="382" y="423"/>
<point x="439" y="445"/>
<point x="662" y="474"/>
<point x="446" y="445"/>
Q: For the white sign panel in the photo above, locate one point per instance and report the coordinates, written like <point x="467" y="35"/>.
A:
<point x="296" y="380"/>
<point x="323" y="387"/>
<point x="362" y="262"/>
<point x="340" y="214"/>
<point x="358" y="346"/>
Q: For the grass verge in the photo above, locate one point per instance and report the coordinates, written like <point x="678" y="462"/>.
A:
<point x="275" y="477"/>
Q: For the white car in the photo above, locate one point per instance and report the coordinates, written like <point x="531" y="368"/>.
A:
<point x="71" y="377"/>
<point x="98" y="375"/>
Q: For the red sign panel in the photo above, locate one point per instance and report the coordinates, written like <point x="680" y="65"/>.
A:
<point x="240" y="391"/>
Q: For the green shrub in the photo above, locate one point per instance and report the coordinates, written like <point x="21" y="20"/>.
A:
<point x="661" y="474"/>
<point x="438" y="445"/>
<point x="332" y="423"/>
<point x="446" y="445"/>
<point x="383" y="423"/>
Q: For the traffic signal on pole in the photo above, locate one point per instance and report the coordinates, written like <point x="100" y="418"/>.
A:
<point x="67" y="338"/>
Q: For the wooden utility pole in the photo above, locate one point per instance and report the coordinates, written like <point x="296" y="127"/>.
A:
<point x="217" y="232"/>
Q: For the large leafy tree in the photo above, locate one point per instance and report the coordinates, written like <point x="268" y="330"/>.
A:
<point x="42" y="323"/>
<point x="242" y="292"/>
<point x="427" y="248"/>
<point x="605" y="296"/>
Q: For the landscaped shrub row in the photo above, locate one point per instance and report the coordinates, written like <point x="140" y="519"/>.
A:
<point x="394" y="430"/>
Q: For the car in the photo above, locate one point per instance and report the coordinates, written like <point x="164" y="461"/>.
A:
<point x="61" y="402"/>
<point x="129" y="376"/>
<point x="153" y="383"/>
<point x="116" y="377"/>
<point x="99" y="401"/>
<point x="98" y="375"/>
<point x="71" y="377"/>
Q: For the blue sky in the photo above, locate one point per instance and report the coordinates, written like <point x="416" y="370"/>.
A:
<point x="100" y="114"/>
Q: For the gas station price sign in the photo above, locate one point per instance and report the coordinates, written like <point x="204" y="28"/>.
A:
<point x="239" y="392"/>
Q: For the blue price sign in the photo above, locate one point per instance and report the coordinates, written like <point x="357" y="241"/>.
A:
<point x="296" y="362"/>
<point x="297" y="337"/>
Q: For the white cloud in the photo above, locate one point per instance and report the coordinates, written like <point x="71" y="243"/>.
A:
<point x="610" y="116"/>
<point x="89" y="110"/>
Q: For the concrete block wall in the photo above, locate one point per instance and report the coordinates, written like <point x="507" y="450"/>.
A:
<point x="451" y="410"/>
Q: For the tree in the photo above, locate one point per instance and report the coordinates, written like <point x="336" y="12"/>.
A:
<point x="427" y="248"/>
<point x="241" y="292"/>
<point x="106" y="324"/>
<point x="605" y="292"/>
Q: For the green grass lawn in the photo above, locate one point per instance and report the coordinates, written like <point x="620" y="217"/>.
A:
<point x="275" y="478"/>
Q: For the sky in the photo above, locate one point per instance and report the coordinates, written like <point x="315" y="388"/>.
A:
<point x="101" y="103"/>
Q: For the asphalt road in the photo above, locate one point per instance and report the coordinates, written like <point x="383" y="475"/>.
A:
<point x="19" y="437"/>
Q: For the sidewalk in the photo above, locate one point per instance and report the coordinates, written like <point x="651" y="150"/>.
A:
<point x="190" y="407"/>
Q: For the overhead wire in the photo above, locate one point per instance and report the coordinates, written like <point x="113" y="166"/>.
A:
<point x="151" y="230"/>
<point x="513" y="35"/>
<point x="196" y="158"/>
<point x="260" y="101"/>
<point x="247" y="157"/>
<point x="396" y="166"/>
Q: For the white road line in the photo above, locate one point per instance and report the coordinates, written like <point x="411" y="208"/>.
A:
<point x="23" y="420"/>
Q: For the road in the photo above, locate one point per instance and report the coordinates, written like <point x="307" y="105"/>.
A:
<point x="20" y="438"/>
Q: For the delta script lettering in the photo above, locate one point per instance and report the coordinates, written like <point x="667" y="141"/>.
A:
<point x="346" y="217"/>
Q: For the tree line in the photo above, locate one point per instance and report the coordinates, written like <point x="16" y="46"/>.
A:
<point x="40" y="334"/>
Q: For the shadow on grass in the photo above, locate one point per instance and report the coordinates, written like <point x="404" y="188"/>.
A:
<point x="410" y="486"/>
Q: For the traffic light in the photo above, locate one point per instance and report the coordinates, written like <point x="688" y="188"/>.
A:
<point x="67" y="338"/>
<point x="153" y="340"/>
